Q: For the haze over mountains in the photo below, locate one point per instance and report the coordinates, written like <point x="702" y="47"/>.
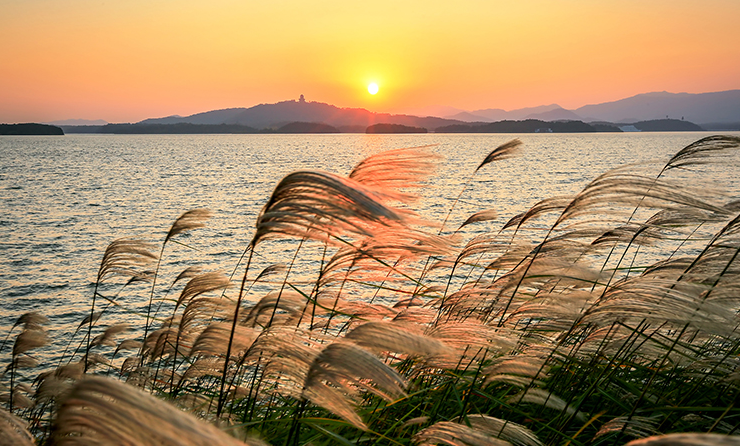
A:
<point x="703" y="108"/>
<point x="710" y="110"/>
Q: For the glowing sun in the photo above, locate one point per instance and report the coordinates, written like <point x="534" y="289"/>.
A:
<point x="372" y="88"/>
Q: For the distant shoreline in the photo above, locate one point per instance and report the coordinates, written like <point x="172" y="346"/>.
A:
<point x="523" y="126"/>
<point x="30" y="129"/>
<point x="507" y="126"/>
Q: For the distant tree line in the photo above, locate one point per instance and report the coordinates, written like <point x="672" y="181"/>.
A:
<point x="186" y="128"/>
<point x="537" y="126"/>
<point x="394" y="128"/>
<point x="528" y="126"/>
<point x="525" y="126"/>
<point x="30" y="129"/>
<point x="143" y="129"/>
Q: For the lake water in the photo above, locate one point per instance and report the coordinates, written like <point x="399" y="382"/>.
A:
<point x="64" y="199"/>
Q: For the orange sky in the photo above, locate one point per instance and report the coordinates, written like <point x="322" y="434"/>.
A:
<point x="124" y="61"/>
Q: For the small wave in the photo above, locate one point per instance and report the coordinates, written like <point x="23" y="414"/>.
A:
<point x="35" y="289"/>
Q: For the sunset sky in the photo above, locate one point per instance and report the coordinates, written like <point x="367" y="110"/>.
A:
<point x="124" y="61"/>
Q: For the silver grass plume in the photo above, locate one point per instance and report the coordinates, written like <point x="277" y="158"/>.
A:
<point x="288" y="352"/>
<point x="506" y="430"/>
<point x="521" y="370"/>
<point x="285" y="304"/>
<point x="13" y="431"/>
<point x="467" y="338"/>
<point x="548" y="205"/>
<point x="619" y="187"/>
<point x="397" y="169"/>
<point x="188" y="273"/>
<point x="189" y="220"/>
<point x="700" y="151"/>
<point x="107" y="338"/>
<point x="31" y="320"/>
<point x="128" y="344"/>
<point x="547" y="399"/>
<point x="319" y="205"/>
<point x="51" y="387"/>
<point x="29" y="340"/>
<point x="105" y="412"/>
<point x="486" y="215"/>
<point x="341" y="371"/>
<point x="203" y="283"/>
<point x="455" y="434"/>
<point x="215" y="337"/>
<point x="201" y="311"/>
<point x="504" y="151"/>
<point x="688" y="439"/>
<point x="633" y="426"/>
<point x="122" y="256"/>
<point x="383" y="336"/>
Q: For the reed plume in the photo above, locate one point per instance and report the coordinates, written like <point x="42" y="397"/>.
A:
<point x="105" y="411"/>
<point x="13" y="431"/>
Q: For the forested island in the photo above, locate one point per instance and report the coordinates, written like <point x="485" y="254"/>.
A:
<point x="30" y="129"/>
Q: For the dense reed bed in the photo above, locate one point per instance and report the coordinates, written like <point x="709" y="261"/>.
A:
<point x="605" y="318"/>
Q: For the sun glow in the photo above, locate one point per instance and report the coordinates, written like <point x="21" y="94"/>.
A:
<point x="372" y="88"/>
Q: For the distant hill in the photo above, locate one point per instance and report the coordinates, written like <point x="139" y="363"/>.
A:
<point x="468" y="117"/>
<point x="30" y="129"/>
<point x="556" y="114"/>
<point x="719" y="110"/>
<point x="497" y="114"/>
<point x="667" y="125"/>
<point x="717" y="107"/>
<point x="277" y="115"/>
<point x="712" y="111"/>
<point x="443" y="111"/>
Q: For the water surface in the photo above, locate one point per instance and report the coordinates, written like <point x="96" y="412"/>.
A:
<point x="63" y="199"/>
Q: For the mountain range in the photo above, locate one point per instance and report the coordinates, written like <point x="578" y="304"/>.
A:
<point x="704" y="108"/>
<point x="717" y="110"/>
<point x="282" y="113"/>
